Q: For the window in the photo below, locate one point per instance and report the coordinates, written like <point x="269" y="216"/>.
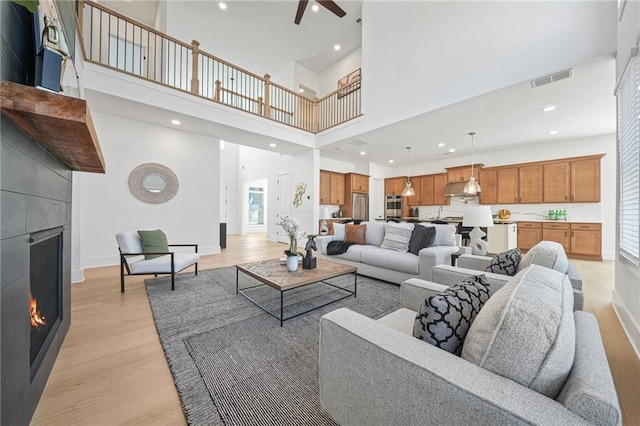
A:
<point x="256" y="206"/>
<point x="628" y="99"/>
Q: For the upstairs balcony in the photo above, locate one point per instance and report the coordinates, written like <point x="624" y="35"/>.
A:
<point x="114" y="41"/>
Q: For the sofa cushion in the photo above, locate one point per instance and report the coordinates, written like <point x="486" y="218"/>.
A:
<point x="390" y="259"/>
<point x="397" y="236"/>
<point x="421" y="237"/>
<point x="374" y="234"/>
<point x="401" y="320"/>
<point x="354" y="253"/>
<point x="526" y="332"/>
<point x="163" y="263"/>
<point x="153" y="241"/>
<point x="355" y="233"/>
<point x="445" y="234"/>
<point x="505" y="263"/>
<point x="548" y="254"/>
<point x="444" y="319"/>
<point x="338" y="231"/>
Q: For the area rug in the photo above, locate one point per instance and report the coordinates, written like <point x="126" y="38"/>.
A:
<point x="232" y="363"/>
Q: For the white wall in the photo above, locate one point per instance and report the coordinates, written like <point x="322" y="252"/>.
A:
<point x="329" y="77"/>
<point x="626" y="292"/>
<point x="229" y="175"/>
<point x="108" y="207"/>
<point x="303" y="75"/>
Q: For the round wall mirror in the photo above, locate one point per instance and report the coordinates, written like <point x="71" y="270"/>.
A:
<point x="153" y="183"/>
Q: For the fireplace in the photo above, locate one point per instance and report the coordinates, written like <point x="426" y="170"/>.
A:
<point x="45" y="295"/>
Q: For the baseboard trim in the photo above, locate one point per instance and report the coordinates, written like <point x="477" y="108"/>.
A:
<point x="631" y="329"/>
<point x="96" y="262"/>
<point x="77" y="276"/>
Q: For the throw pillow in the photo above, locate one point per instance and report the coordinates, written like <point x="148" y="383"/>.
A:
<point x="505" y="263"/>
<point x="375" y="233"/>
<point x="355" y="233"/>
<point x="338" y="232"/>
<point x="421" y="237"/>
<point x="444" y="319"/>
<point x="153" y="241"/>
<point x="397" y="236"/>
<point x="526" y="332"/>
<point x="445" y="234"/>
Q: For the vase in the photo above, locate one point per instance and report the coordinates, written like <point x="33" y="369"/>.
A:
<point x="292" y="263"/>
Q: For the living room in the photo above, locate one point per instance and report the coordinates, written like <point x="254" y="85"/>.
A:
<point x="103" y="207"/>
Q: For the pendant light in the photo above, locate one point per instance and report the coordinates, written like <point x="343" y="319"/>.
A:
<point x="408" y="191"/>
<point x="472" y="187"/>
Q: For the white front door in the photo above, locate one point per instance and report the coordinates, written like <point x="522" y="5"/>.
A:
<point x="284" y="205"/>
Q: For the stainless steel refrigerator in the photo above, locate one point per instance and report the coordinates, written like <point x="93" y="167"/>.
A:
<point x="359" y="206"/>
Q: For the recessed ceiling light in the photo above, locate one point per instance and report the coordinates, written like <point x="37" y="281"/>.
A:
<point x="222" y="5"/>
<point x="391" y="161"/>
<point x="549" y="108"/>
<point x="301" y="90"/>
<point x="553" y="132"/>
<point x="176" y="122"/>
<point x="363" y="152"/>
<point x="272" y="145"/>
<point x="336" y="47"/>
<point x="452" y="150"/>
<point x="441" y="144"/>
<point x="315" y="8"/>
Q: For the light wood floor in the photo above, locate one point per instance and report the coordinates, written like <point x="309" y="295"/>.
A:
<point x="112" y="370"/>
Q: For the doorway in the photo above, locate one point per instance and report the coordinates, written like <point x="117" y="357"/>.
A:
<point x="255" y="206"/>
<point x="284" y="205"/>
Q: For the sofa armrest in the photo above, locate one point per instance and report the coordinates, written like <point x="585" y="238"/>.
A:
<point x="371" y="374"/>
<point x="574" y="277"/>
<point x="432" y="256"/>
<point x="323" y="241"/>
<point x="473" y="261"/>
<point x="414" y="291"/>
<point x="451" y="275"/>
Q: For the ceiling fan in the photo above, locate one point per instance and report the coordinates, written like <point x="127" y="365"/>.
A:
<point x="327" y="4"/>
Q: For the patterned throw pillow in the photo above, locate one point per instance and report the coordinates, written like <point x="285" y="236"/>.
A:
<point x="420" y="238"/>
<point x="355" y="233"/>
<point x="444" y="319"/>
<point x="397" y="236"/>
<point x="505" y="263"/>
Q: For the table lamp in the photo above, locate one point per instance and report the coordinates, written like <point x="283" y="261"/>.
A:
<point x="477" y="216"/>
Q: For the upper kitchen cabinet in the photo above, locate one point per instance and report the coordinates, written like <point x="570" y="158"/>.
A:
<point x="439" y="186"/>
<point x="585" y="180"/>
<point x="394" y="186"/>
<point x="357" y="183"/>
<point x="530" y="184"/>
<point x="332" y="188"/>
<point x="556" y="182"/>
<point x="489" y="193"/>
<point x="416" y="184"/>
<point x="507" y="183"/>
<point x="463" y="173"/>
<point x="424" y="191"/>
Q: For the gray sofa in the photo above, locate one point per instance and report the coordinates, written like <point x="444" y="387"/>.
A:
<point x="376" y="373"/>
<point x="389" y="265"/>
<point x="546" y="253"/>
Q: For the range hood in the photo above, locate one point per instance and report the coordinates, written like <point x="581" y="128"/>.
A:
<point x="455" y="189"/>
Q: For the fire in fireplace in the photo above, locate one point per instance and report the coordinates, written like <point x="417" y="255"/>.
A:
<point x="45" y="297"/>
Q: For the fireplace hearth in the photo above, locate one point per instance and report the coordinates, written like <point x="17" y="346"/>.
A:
<point x="45" y="297"/>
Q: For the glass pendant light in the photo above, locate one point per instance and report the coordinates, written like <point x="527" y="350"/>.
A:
<point x="472" y="187"/>
<point x="408" y="191"/>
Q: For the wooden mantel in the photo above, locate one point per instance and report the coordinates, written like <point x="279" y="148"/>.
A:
<point x="61" y="124"/>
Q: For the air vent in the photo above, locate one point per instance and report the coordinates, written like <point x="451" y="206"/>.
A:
<point x="359" y="21"/>
<point x="552" y="78"/>
<point x="357" y="143"/>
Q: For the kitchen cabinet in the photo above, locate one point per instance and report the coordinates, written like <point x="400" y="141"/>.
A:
<point x="530" y="184"/>
<point x="463" y="173"/>
<point x="489" y="193"/>
<point x="394" y="186"/>
<point x="558" y="232"/>
<point x="529" y="234"/>
<point x="586" y="240"/>
<point x="325" y="187"/>
<point x="416" y="184"/>
<point x="440" y="181"/>
<point x="337" y="189"/>
<point x="556" y="182"/>
<point x="585" y="181"/>
<point x="426" y="191"/>
<point x="502" y="237"/>
<point x="507" y="183"/>
<point x="357" y="183"/>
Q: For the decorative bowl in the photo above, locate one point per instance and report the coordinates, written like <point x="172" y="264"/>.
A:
<point x="504" y="214"/>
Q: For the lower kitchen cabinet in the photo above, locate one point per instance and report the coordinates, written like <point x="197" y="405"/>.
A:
<point x="586" y="240"/>
<point x="558" y="232"/>
<point x="529" y="234"/>
<point x="580" y="240"/>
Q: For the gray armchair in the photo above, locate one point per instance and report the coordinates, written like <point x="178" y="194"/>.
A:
<point x="376" y="373"/>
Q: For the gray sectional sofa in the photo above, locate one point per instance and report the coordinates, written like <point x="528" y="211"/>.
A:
<point x="389" y="265"/>
<point x="528" y="358"/>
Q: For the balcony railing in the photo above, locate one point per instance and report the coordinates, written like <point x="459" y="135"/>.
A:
<point x="115" y="41"/>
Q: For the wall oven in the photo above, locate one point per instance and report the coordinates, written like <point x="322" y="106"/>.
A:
<point x="393" y="207"/>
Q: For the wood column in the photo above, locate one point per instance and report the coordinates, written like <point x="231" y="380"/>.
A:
<point x="267" y="96"/>
<point x="195" y="82"/>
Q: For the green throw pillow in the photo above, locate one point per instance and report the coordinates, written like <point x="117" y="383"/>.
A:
<point x="153" y="242"/>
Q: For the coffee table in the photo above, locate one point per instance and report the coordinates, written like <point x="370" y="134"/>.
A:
<point x="272" y="273"/>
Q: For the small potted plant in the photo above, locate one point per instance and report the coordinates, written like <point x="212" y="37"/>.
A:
<point x="292" y="228"/>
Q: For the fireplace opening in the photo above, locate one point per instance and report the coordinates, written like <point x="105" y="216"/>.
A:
<point x="45" y="298"/>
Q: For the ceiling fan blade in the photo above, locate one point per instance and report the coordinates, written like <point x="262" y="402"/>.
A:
<point x="332" y="6"/>
<point x="302" y="5"/>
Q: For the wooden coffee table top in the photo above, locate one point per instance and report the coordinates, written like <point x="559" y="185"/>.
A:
<point x="272" y="273"/>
